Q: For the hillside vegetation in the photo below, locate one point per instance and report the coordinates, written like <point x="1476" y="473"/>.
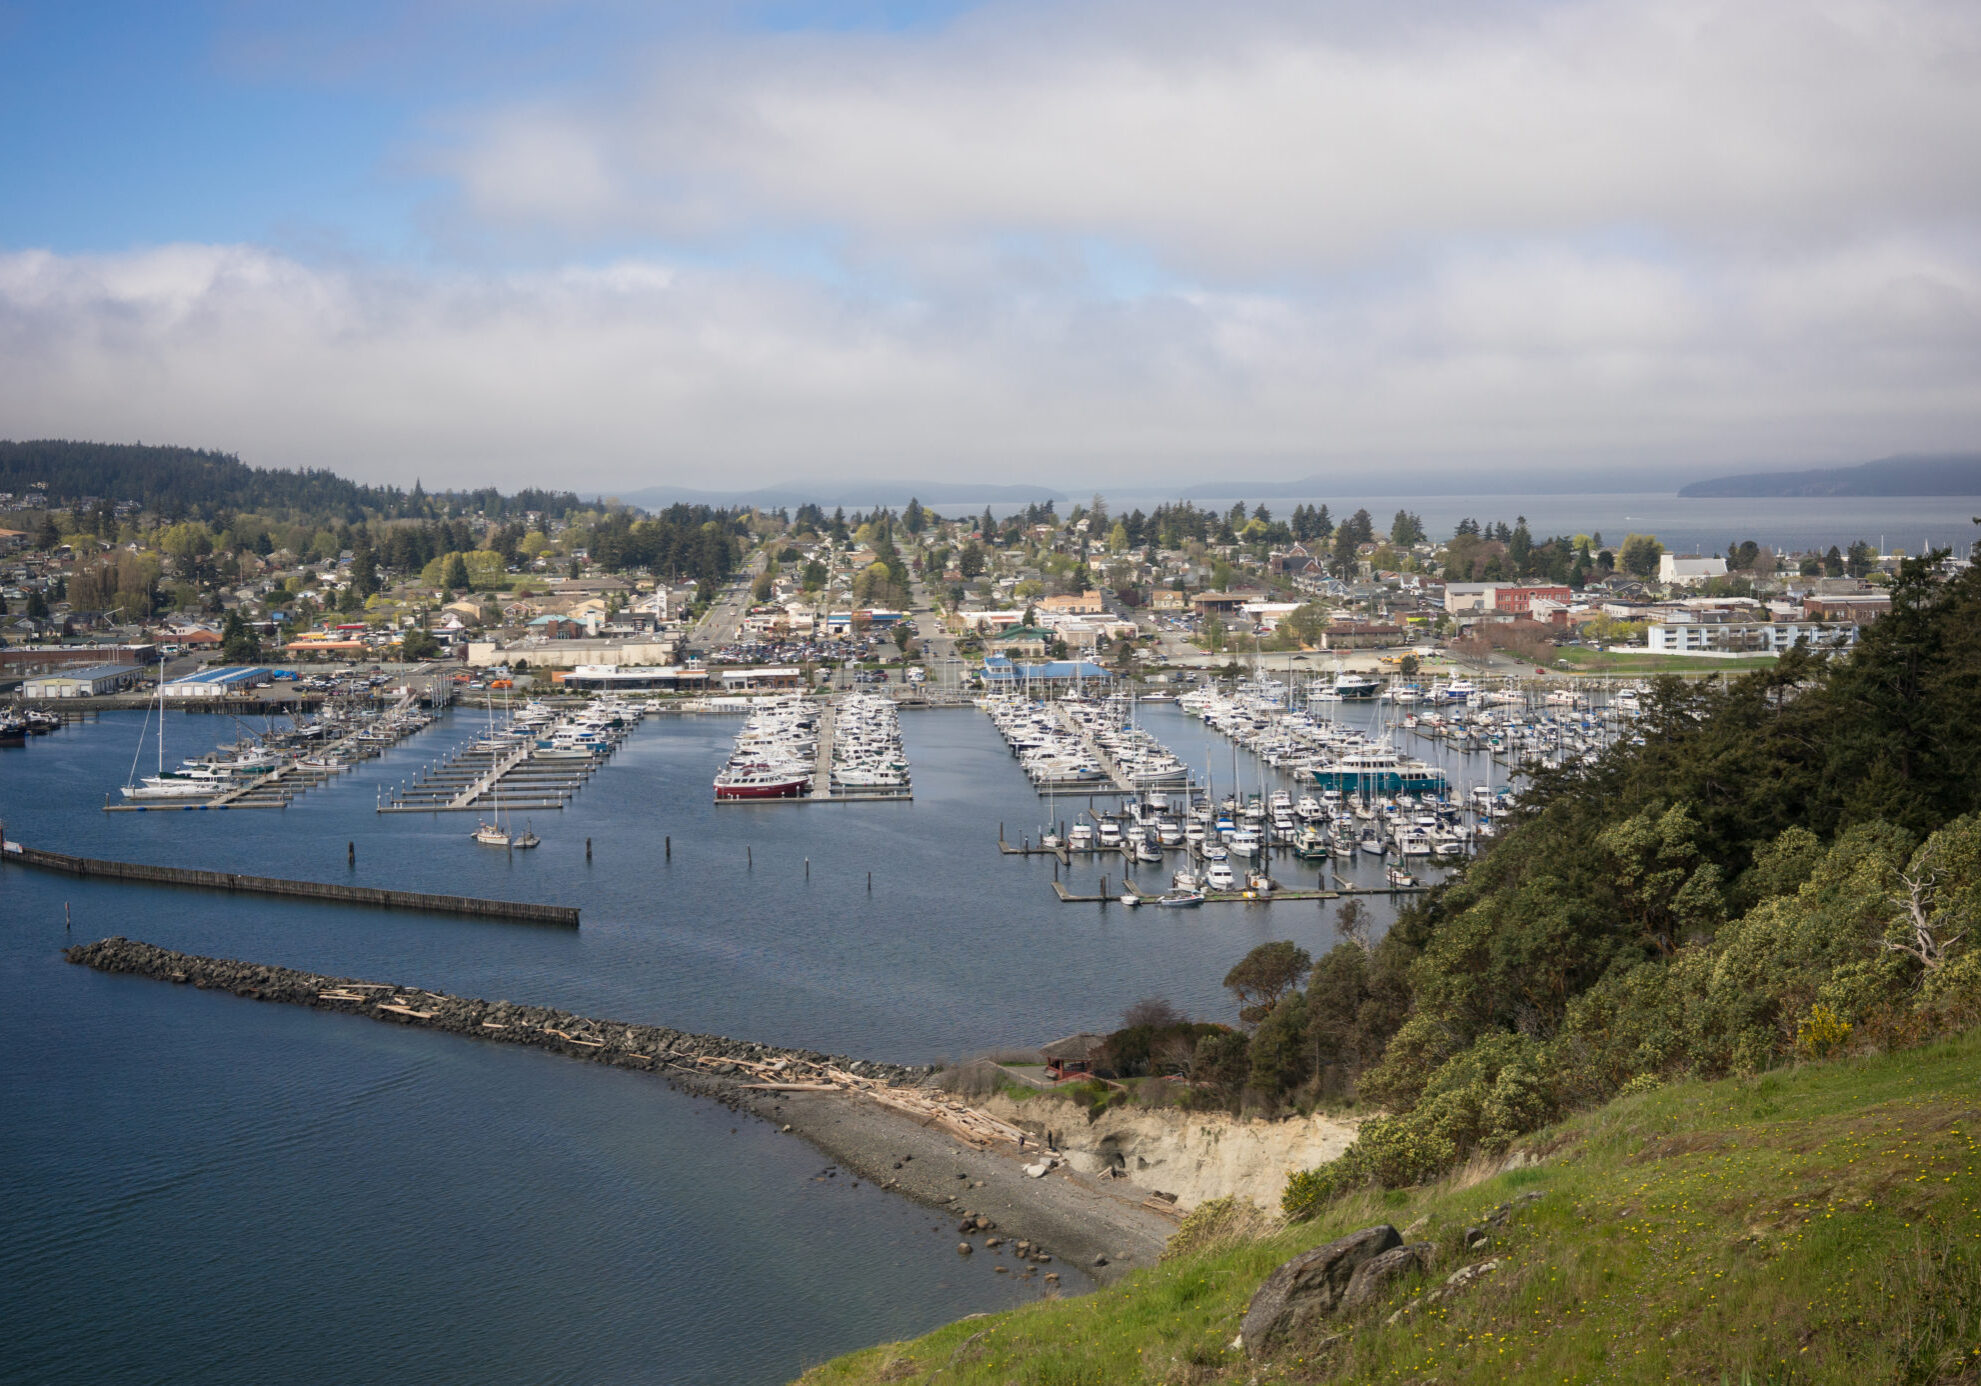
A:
<point x="1783" y="869"/>
<point x="194" y="483"/>
<point x="1820" y="1223"/>
<point x="1788" y="866"/>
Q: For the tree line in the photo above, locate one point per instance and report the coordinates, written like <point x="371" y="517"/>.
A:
<point x="196" y="483"/>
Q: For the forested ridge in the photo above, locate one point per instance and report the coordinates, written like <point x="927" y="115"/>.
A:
<point x="195" y="483"/>
<point x="1787" y="865"/>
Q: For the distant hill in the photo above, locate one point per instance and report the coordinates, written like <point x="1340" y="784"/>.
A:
<point x="1954" y="474"/>
<point x="197" y="483"/>
<point x="848" y="493"/>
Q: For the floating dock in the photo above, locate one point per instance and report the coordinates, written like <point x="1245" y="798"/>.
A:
<point x="275" y="789"/>
<point x="515" y="777"/>
<point x="524" y="911"/>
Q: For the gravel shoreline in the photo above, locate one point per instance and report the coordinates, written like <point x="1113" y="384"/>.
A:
<point x="1077" y="1229"/>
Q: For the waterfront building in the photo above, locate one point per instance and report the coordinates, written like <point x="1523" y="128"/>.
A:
<point x="228" y="682"/>
<point x="1057" y="673"/>
<point x="92" y="682"/>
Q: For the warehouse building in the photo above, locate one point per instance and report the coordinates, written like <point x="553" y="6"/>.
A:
<point x="93" y="682"/>
<point x="230" y="682"/>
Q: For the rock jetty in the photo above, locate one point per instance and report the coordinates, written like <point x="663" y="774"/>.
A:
<point x="878" y="1121"/>
<point x="709" y="1064"/>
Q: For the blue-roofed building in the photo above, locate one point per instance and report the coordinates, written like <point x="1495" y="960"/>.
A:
<point x="1001" y="670"/>
<point x="229" y="682"/>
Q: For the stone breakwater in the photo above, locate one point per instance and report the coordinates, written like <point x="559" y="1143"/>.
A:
<point x="878" y="1121"/>
<point x="709" y="1064"/>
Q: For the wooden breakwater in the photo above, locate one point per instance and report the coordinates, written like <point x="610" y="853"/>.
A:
<point x="522" y="910"/>
<point x="697" y="1060"/>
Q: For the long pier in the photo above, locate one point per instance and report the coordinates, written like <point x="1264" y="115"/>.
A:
<point x="372" y="897"/>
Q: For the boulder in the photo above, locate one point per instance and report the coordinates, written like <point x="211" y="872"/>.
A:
<point x="1308" y="1286"/>
<point x="1375" y="1275"/>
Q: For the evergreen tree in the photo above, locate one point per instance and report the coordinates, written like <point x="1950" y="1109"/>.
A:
<point x="239" y="643"/>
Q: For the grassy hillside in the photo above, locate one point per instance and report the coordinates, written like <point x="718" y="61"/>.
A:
<point x="1820" y="1223"/>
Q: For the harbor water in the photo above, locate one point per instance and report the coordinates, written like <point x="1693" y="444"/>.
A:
<point x="198" y="1185"/>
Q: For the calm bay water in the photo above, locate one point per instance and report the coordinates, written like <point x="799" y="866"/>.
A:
<point x="199" y="1186"/>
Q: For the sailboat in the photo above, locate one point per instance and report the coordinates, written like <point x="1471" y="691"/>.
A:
<point x="495" y="834"/>
<point x="168" y="784"/>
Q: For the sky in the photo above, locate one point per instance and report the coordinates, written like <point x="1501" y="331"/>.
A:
<point x="1081" y="243"/>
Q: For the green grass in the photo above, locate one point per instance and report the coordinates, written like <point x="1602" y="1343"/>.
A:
<point x="1586" y="661"/>
<point x="1816" y="1224"/>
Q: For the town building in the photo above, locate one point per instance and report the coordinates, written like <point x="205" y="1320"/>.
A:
<point x="1689" y="569"/>
<point x="1859" y="608"/>
<point x="1500" y="598"/>
<point x="92" y="682"/>
<point x="1073" y="604"/>
<point x="230" y="682"/>
<point x="1054" y="673"/>
<point x="539" y="653"/>
<point x="1696" y="634"/>
<point x="1076" y="1056"/>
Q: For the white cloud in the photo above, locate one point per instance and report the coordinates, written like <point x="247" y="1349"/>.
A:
<point x="640" y="372"/>
<point x="1252" y="140"/>
<point x="1113" y="242"/>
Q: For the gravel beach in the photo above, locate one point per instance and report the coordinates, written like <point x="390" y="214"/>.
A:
<point x="1073" y="1218"/>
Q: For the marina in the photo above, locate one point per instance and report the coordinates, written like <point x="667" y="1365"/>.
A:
<point x="792" y="947"/>
<point x="795" y="749"/>
<point x="536" y="759"/>
<point x="267" y="770"/>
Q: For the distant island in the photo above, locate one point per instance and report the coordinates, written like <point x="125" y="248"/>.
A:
<point x="842" y="493"/>
<point x="1952" y="474"/>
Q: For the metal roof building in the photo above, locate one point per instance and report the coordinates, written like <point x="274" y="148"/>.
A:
<point x="214" y="683"/>
<point x="83" y="683"/>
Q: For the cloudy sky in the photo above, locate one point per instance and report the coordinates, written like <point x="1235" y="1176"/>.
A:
<point x="623" y="244"/>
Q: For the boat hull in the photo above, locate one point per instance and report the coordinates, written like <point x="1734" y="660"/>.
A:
<point x="787" y="789"/>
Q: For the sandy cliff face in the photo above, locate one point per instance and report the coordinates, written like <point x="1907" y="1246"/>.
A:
<point x="1190" y="1154"/>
